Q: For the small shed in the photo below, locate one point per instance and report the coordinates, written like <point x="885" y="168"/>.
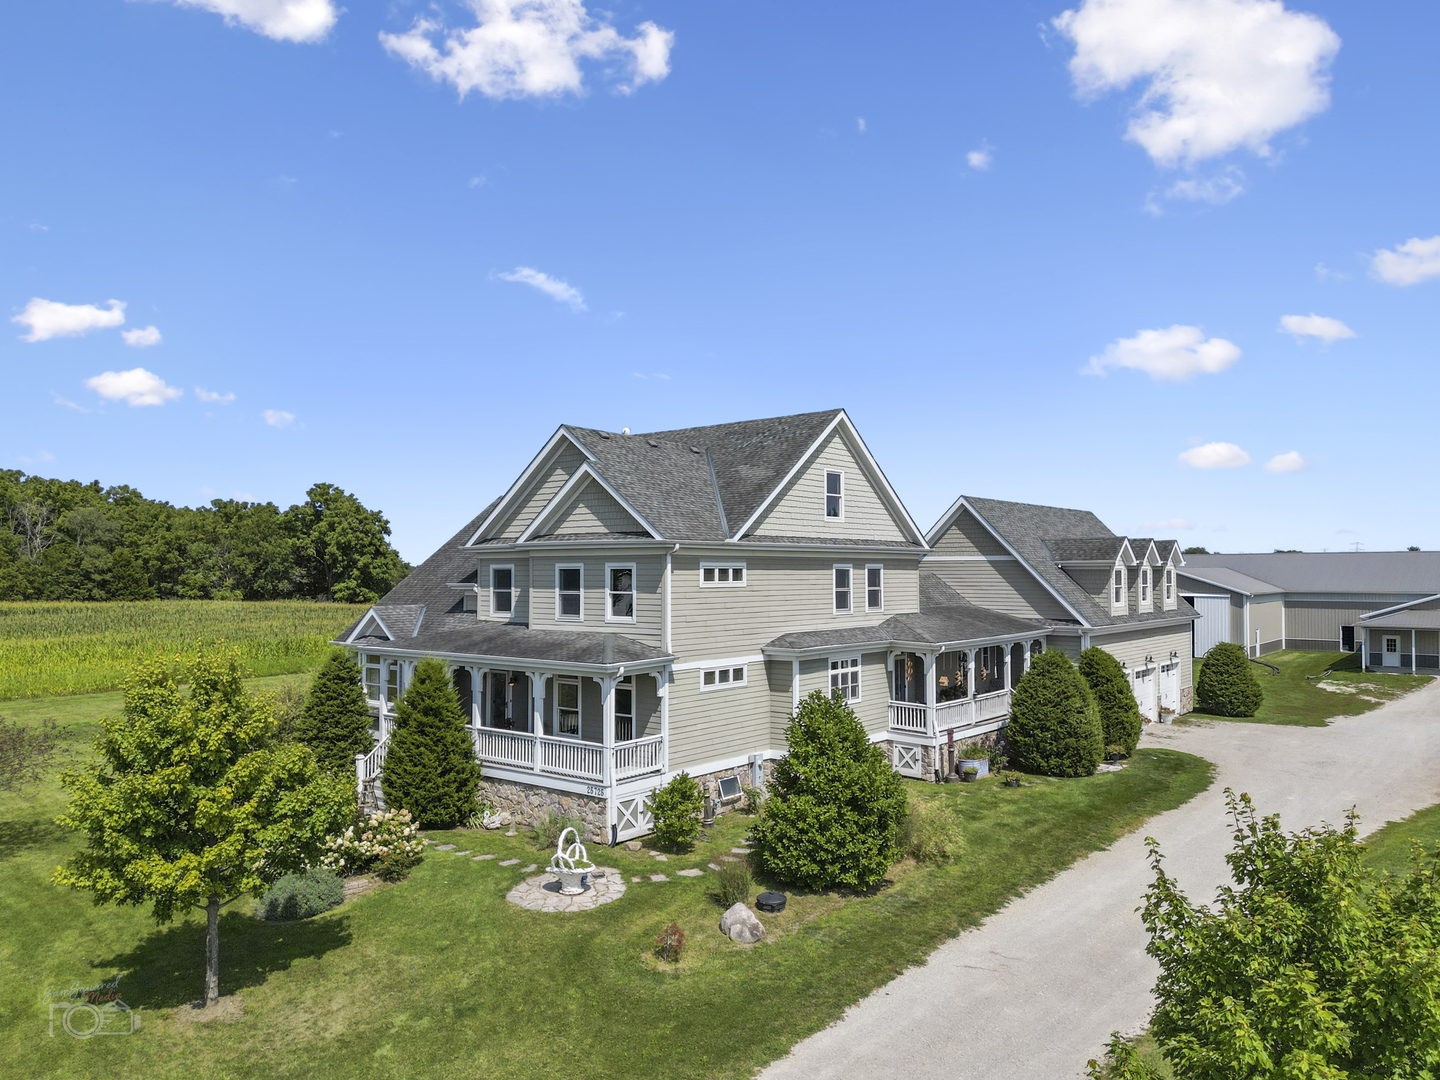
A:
<point x="1405" y="637"/>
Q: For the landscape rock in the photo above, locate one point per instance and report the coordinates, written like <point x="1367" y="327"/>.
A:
<point x="742" y="925"/>
<point x="509" y="862"/>
<point x="446" y="847"/>
<point x="690" y="873"/>
<point x="632" y="845"/>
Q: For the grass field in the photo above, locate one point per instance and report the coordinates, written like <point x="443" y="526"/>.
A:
<point x="1291" y="698"/>
<point x="439" y="976"/>
<point x="50" y="649"/>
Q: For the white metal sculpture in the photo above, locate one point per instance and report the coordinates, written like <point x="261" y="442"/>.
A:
<point x="571" y="864"/>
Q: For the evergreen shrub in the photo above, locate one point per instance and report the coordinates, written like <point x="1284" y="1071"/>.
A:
<point x="835" y="808"/>
<point x="1227" y="684"/>
<point x="1054" y="725"/>
<point x="430" y="768"/>
<point x="300" y="896"/>
<point x="334" y="720"/>
<point x="676" y="811"/>
<point x="1120" y="720"/>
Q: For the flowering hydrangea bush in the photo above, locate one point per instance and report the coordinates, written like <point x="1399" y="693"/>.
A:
<point x="387" y="841"/>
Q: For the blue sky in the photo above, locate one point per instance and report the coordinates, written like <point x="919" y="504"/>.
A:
<point x="1037" y="256"/>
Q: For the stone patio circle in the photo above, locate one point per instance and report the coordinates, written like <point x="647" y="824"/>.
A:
<point x="542" y="892"/>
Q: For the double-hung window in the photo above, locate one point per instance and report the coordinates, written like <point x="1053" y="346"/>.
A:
<point x="843" y="604"/>
<point x="625" y="709"/>
<point x="567" y="708"/>
<point x="502" y="590"/>
<point x="719" y="678"/>
<point x="372" y="678"/>
<point x="620" y="593"/>
<point x="874" y="588"/>
<point x="845" y="678"/>
<point x="569" y="593"/>
<point x="392" y="682"/>
<point x="1145" y="585"/>
<point x="1117" y="591"/>
<point x="835" y="496"/>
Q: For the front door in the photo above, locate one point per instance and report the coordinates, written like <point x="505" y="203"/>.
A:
<point x="1145" y="693"/>
<point x="1391" y="655"/>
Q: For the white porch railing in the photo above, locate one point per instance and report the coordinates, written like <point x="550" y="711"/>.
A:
<point x="639" y="756"/>
<point x="935" y="720"/>
<point x="572" y="758"/>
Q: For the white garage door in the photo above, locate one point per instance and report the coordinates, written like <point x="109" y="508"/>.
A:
<point x="1213" y="626"/>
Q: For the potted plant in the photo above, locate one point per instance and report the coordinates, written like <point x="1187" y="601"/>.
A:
<point x="1114" y="751"/>
<point x="1012" y="779"/>
<point x="976" y="757"/>
<point x="969" y="774"/>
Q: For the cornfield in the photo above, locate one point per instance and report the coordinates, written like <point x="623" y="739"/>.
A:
<point x="51" y="649"/>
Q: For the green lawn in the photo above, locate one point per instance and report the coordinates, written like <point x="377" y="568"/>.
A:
<point x="1291" y="698"/>
<point x="439" y="976"/>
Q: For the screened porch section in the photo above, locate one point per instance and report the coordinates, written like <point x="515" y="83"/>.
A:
<point x="933" y="694"/>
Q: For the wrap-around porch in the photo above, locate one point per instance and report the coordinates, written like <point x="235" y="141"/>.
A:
<point x="956" y="691"/>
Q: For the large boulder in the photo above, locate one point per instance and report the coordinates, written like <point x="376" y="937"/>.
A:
<point x="741" y="925"/>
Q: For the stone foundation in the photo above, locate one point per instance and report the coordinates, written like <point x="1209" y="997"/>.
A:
<point x="526" y="803"/>
<point x="710" y="783"/>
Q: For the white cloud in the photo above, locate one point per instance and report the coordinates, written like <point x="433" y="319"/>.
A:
<point x="980" y="160"/>
<point x="860" y="124"/>
<point x="214" y="396"/>
<point x="530" y="48"/>
<point x="1180" y="353"/>
<point x="278" y="418"/>
<point x="1178" y="524"/>
<point x="1215" y="190"/>
<point x="1410" y="263"/>
<point x="1218" y="74"/>
<point x="50" y="318"/>
<point x="40" y="456"/>
<point x="141" y="338"/>
<point x="283" y="20"/>
<point x="1316" y="326"/>
<point x="476" y="181"/>
<point x="1215" y="455"/>
<point x="1324" y="273"/>
<point x="551" y="287"/>
<point x="134" y="387"/>
<point x="1291" y="462"/>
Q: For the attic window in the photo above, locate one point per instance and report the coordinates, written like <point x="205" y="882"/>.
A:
<point x="1145" y="585"/>
<point x="722" y="575"/>
<point x="1119" y="590"/>
<point x="835" y="496"/>
<point x="1169" y="584"/>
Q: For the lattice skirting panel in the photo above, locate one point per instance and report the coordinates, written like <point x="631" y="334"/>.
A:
<point x="908" y="762"/>
<point x="633" y="817"/>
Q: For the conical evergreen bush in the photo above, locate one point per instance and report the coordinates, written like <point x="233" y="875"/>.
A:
<point x="1227" y="684"/>
<point x="1120" y="720"/>
<point x="335" y="721"/>
<point x="1054" y="725"/>
<point x="430" y="768"/>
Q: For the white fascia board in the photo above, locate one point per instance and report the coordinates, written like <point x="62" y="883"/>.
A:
<point x="961" y="504"/>
<point x="1220" y="584"/>
<point x="561" y="499"/>
<point x="800" y="463"/>
<point x="523" y="483"/>
<point x="1151" y="550"/>
<point x="1124" y="548"/>
<point x="877" y="473"/>
<point x="517" y="663"/>
<point x="1399" y="607"/>
<point x="371" y="614"/>
<point x="1126" y="628"/>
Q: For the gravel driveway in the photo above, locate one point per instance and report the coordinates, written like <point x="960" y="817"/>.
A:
<point x="1036" y="989"/>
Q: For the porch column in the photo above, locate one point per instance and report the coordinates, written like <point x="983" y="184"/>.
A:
<point x="930" y="692"/>
<point x="970" y="672"/>
<point x="1364" y="648"/>
<point x="1414" y="660"/>
<point x="795" y="684"/>
<point x="607" y="726"/>
<point x="1009" y="678"/>
<point x="477" y="693"/>
<point x="537" y="709"/>
<point x="1027" y="656"/>
<point x="662" y="691"/>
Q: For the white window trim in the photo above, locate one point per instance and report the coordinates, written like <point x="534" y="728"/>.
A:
<point x="731" y="566"/>
<point x="1169" y="587"/>
<point x="868" y="568"/>
<point x="1123" y="604"/>
<point x="1147" y="589"/>
<point x="834" y="589"/>
<point x="854" y="662"/>
<point x="628" y="682"/>
<point x="825" y="495"/>
<point x="634" y="592"/>
<point x="579" y="708"/>
<point x="744" y="670"/>
<point x="513" y="590"/>
<point x="569" y="566"/>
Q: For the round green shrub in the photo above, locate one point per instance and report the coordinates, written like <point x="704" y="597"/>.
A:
<point x="1227" y="684"/>
<point x="836" y="807"/>
<point x="1120" y="720"/>
<point x="676" y="810"/>
<point x="1054" y="725"/>
<point x="299" y="896"/>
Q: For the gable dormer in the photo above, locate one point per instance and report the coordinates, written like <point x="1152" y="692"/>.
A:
<point x="587" y="506"/>
<point x="1145" y="575"/>
<point x="555" y="466"/>
<point x="1167" y="584"/>
<point x="1102" y="566"/>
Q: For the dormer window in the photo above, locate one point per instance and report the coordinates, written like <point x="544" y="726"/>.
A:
<point x="835" y="496"/>
<point x="1117" y="596"/>
<point x="1169" y="584"/>
<point x="1145" y="585"/>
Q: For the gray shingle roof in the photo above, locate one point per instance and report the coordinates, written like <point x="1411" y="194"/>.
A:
<point x="667" y="482"/>
<point x="829" y="541"/>
<point x="1034" y="531"/>
<point x="1386" y="573"/>
<point x="1106" y="549"/>
<point x="521" y="644"/>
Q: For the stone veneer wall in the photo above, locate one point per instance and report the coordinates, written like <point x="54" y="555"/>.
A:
<point x="710" y="783"/>
<point x="527" y="802"/>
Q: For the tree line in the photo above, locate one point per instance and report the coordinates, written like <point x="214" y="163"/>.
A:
<point x="66" y="540"/>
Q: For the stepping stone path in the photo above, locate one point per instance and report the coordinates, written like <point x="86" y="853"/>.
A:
<point x="542" y="892"/>
<point x="712" y="866"/>
<point x="728" y="858"/>
<point x="509" y="862"/>
<point x="479" y="857"/>
<point x="462" y="853"/>
<point x="659" y="857"/>
<point x="658" y="877"/>
<point x="446" y="847"/>
<point x="739" y="851"/>
<point x="691" y="873"/>
<point x="635" y="878"/>
<point x="532" y="866"/>
<point x="359" y="886"/>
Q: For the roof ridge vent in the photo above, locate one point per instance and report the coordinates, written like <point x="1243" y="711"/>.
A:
<point x="605" y="434"/>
